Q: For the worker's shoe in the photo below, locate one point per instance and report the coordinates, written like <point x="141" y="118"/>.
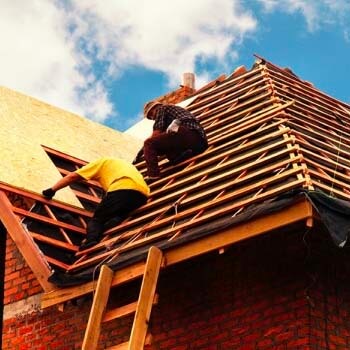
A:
<point x="181" y="157"/>
<point x="87" y="243"/>
<point x="152" y="178"/>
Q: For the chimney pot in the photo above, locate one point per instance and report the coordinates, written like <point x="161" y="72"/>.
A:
<point x="189" y="80"/>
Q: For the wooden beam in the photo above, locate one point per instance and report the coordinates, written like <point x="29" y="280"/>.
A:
<point x="164" y="231"/>
<point x="47" y="220"/>
<point x="144" y="304"/>
<point x="124" y="346"/>
<point x="93" y="328"/>
<point x="123" y="311"/>
<point x="61" y="295"/>
<point x="25" y="243"/>
<point x="41" y="199"/>
<point x="299" y="211"/>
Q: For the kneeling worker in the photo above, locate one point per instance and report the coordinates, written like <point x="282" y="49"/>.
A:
<point x="126" y="190"/>
<point x="177" y="134"/>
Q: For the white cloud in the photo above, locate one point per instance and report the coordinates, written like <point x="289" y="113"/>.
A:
<point x="161" y="35"/>
<point x="49" y="49"/>
<point x="38" y="57"/>
<point x="317" y="13"/>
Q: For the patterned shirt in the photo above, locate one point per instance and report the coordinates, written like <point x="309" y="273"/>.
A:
<point x="167" y="113"/>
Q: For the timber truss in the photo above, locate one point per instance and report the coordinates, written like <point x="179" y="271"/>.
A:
<point x="270" y="133"/>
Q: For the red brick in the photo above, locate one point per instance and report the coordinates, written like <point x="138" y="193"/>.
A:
<point x="236" y="301"/>
<point x="298" y="342"/>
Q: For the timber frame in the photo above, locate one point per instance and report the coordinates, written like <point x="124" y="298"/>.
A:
<point x="269" y="133"/>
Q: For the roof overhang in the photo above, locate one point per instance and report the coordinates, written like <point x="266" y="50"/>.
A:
<point x="299" y="211"/>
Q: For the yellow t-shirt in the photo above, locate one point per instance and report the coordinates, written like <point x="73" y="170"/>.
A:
<point x="114" y="174"/>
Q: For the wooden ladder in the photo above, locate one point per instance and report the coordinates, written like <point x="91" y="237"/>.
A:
<point x="142" y="307"/>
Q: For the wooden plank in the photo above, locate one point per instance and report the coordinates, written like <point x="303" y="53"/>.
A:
<point x="144" y="305"/>
<point x="296" y="212"/>
<point x="307" y="116"/>
<point x="188" y="178"/>
<point x="54" y="242"/>
<point x="230" y="86"/>
<point x="321" y="119"/>
<point x="306" y="90"/>
<point x="47" y="220"/>
<point x="54" y="262"/>
<point x="25" y="243"/>
<point x="325" y="153"/>
<point x="119" y="312"/>
<point x="122" y="346"/>
<point x="123" y="311"/>
<point x="235" y="150"/>
<point x="181" y="183"/>
<point x="326" y="170"/>
<point x="229" y="93"/>
<point x="200" y="221"/>
<point x="332" y="145"/>
<point x="256" y="102"/>
<point x="41" y="199"/>
<point x="330" y="190"/>
<point x="227" y="102"/>
<point x="316" y="156"/>
<point x="240" y="117"/>
<point x="62" y="231"/>
<point x="226" y="170"/>
<point x="64" y="156"/>
<point x="65" y="294"/>
<point x="92" y="332"/>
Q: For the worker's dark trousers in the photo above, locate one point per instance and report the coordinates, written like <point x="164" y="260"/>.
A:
<point x="112" y="210"/>
<point x="171" y="145"/>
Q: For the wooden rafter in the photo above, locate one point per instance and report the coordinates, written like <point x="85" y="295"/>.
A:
<point x="300" y="211"/>
<point x="25" y="243"/>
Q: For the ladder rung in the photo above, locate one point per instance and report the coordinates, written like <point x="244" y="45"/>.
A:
<point x="119" y="312"/>
<point x="142" y="308"/>
<point x="123" y="311"/>
<point x="124" y="346"/>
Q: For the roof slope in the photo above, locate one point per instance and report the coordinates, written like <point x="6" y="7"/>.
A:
<point x="29" y="124"/>
<point x="269" y="133"/>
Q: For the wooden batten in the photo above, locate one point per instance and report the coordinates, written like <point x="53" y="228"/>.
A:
<point x="300" y="211"/>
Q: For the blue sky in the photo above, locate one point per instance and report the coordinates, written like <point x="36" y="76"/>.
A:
<point x="105" y="59"/>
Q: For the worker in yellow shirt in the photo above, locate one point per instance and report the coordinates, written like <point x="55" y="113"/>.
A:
<point x="125" y="190"/>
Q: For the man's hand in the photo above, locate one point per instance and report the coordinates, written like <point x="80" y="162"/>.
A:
<point x="174" y="126"/>
<point x="48" y="193"/>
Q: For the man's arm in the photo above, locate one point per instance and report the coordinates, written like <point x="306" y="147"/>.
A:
<point x="65" y="181"/>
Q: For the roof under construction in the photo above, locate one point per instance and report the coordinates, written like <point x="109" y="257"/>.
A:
<point x="274" y="141"/>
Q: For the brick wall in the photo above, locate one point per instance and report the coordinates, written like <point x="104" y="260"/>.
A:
<point x="20" y="283"/>
<point x="279" y="291"/>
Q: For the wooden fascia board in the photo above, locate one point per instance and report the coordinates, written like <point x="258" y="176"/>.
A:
<point x="25" y="243"/>
<point x="302" y="210"/>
